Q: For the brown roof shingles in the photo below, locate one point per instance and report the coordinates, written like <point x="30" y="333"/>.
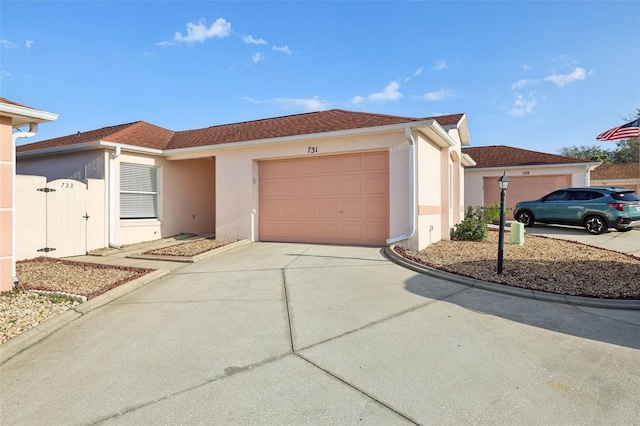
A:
<point x="506" y="156"/>
<point x="147" y="135"/>
<point x="616" y="171"/>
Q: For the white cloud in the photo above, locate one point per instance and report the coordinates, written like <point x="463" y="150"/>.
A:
<point x="200" y="32"/>
<point x="441" y="65"/>
<point x="522" y="83"/>
<point x="164" y="43"/>
<point x="415" y="74"/>
<point x="438" y="95"/>
<point x="523" y="105"/>
<point x="390" y="93"/>
<point x="6" y="43"/>
<point x="564" y="79"/>
<point x="526" y="67"/>
<point x="5" y="75"/>
<point x="29" y="43"/>
<point x="283" y="49"/>
<point x="310" y="104"/>
<point x="250" y="40"/>
<point x="257" y="57"/>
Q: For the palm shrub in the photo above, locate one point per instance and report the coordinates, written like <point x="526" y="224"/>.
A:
<point x="473" y="227"/>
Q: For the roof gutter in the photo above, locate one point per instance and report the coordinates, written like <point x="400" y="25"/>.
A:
<point x="88" y="146"/>
<point x="33" y="130"/>
<point x="537" y="166"/>
<point x="412" y="190"/>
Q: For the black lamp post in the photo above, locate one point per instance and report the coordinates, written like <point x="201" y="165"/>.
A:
<point x="503" y="182"/>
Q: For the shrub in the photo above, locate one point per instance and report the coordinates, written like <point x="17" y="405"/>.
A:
<point x="473" y="227"/>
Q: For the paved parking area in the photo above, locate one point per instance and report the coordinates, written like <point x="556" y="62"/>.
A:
<point x="311" y="334"/>
<point x="623" y="242"/>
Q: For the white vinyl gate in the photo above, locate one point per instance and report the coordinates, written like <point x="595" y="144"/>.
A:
<point x="66" y="218"/>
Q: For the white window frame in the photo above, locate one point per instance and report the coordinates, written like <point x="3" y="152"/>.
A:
<point x="151" y="189"/>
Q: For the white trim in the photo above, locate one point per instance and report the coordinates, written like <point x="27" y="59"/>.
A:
<point x="25" y="115"/>
<point x="533" y="166"/>
<point x="85" y="146"/>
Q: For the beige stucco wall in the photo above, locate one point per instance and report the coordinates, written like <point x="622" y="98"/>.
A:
<point x="237" y="177"/>
<point x="187" y="199"/>
<point x="622" y="183"/>
<point x="237" y="214"/>
<point x="474" y="179"/>
<point x="6" y="204"/>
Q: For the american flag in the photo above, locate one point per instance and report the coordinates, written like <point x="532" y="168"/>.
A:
<point x="629" y="130"/>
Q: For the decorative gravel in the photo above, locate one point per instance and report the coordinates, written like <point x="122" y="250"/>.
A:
<point x="542" y="263"/>
<point x="189" y="249"/>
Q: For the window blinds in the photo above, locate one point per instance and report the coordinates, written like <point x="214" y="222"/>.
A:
<point x="138" y="192"/>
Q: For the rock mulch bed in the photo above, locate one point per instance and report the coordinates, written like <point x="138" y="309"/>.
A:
<point x="542" y="263"/>
<point x="22" y="309"/>
<point x="189" y="249"/>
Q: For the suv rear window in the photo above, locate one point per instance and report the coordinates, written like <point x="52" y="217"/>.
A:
<point x="625" y="196"/>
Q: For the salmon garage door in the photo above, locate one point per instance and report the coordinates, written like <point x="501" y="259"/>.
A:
<point x="342" y="199"/>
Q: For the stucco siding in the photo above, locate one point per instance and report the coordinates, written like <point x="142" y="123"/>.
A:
<point x="237" y="175"/>
<point x="186" y="199"/>
<point x="6" y="204"/>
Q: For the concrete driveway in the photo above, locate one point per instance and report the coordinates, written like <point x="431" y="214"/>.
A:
<point x="309" y="334"/>
<point x="623" y="242"/>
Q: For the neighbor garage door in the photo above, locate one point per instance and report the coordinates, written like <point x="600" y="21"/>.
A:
<point x="523" y="188"/>
<point x="342" y="199"/>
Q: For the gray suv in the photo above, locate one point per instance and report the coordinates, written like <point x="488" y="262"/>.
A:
<point x="595" y="208"/>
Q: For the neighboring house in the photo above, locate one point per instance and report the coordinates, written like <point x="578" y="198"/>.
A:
<point x="532" y="174"/>
<point x="12" y="116"/>
<point x="335" y="176"/>
<point x="622" y="175"/>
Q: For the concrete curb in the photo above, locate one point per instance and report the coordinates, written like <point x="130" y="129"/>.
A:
<point x="189" y="259"/>
<point x="513" y="291"/>
<point x="35" y="334"/>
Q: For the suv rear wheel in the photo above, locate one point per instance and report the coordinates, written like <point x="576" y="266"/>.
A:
<point x="525" y="217"/>
<point x="595" y="225"/>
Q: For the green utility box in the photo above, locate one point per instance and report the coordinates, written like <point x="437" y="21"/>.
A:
<point x="517" y="233"/>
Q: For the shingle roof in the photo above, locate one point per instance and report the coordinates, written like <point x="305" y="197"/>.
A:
<point x="616" y="171"/>
<point x="506" y="156"/>
<point x="147" y="135"/>
<point x="138" y="133"/>
<point x="10" y="102"/>
<point x="292" y="125"/>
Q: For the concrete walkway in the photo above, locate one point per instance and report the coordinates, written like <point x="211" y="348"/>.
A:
<point x="309" y="334"/>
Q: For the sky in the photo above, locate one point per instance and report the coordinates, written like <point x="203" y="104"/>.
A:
<point x="538" y="75"/>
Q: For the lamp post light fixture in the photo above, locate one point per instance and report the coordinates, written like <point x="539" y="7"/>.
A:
<point x="503" y="182"/>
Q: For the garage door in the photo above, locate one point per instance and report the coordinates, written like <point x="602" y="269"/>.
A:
<point x="334" y="199"/>
<point x="523" y="188"/>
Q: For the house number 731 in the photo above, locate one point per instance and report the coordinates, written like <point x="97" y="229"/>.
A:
<point x="312" y="149"/>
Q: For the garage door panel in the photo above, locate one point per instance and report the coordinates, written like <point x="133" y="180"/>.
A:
<point x="353" y="163"/>
<point x="330" y="164"/>
<point x="336" y="199"/>
<point x="377" y="185"/>
<point x="377" y="161"/>
<point x="352" y="186"/>
<point x="352" y="209"/>
<point x="377" y="210"/>
<point x="329" y="187"/>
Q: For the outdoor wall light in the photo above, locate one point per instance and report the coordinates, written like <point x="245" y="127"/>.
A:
<point x="503" y="183"/>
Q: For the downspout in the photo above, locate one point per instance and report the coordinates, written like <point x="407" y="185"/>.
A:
<point x="112" y="198"/>
<point x="33" y="129"/>
<point x="412" y="191"/>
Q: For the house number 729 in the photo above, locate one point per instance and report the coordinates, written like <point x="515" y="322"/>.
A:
<point x="312" y="149"/>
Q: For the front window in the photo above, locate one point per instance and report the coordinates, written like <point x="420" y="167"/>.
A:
<point x="139" y="191"/>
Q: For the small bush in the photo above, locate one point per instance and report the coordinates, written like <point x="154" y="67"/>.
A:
<point x="473" y="227"/>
